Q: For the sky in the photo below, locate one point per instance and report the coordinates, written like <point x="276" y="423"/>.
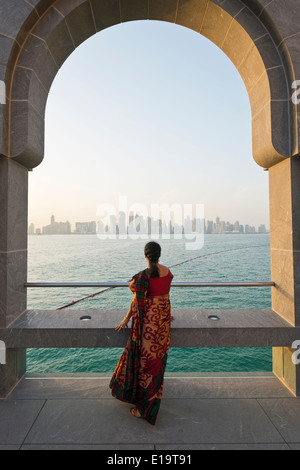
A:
<point x="152" y="112"/>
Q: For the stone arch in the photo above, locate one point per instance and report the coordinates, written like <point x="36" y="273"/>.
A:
<point x="262" y="39"/>
<point x="244" y="30"/>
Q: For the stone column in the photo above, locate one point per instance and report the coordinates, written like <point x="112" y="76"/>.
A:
<point x="284" y="184"/>
<point x="13" y="262"/>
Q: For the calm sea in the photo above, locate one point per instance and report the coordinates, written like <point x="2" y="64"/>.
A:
<point x="86" y="258"/>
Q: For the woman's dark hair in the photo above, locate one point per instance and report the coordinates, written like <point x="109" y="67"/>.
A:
<point x="152" y="252"/>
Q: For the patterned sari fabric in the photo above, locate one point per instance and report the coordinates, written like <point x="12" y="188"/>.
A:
<point x="139" y="375"/>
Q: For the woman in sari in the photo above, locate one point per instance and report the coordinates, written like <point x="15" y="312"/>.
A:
<point x="139" y="375"/>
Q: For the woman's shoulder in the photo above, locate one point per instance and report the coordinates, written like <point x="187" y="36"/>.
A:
<point x="163" y="270"/>
<point x="140" y="275"/>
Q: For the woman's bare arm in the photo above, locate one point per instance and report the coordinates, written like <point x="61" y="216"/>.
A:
<point x="124" y="323"/>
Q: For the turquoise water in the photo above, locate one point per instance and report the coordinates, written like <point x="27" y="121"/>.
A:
<point x="86" y="258"/>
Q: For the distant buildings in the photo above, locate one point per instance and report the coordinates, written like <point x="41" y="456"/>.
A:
<point x="85" y="227"/>
<point x="220" y="226"/>
<point x="138" y="225"/>
<point x="57" y="228"/>
<point x="31" y="229"/>
<point x="262" y="229"/>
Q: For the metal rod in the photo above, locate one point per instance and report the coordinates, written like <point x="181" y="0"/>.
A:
<point x="126" y="284"/>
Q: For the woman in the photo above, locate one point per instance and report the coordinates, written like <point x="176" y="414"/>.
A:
<point x="139" y="375"/>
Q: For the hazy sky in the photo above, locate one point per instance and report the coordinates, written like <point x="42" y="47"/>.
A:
<point x="154" y="112"/>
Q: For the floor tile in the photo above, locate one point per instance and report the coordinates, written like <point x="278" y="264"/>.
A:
<point x="113" y="448"/>
<point x="180" y="421"/>
<point x="170" y="447"/>
<point x="285" y="415"/>
<point x="225" y="387"/>
<point x="16" y="419"/>
<point x="62" y="388"/>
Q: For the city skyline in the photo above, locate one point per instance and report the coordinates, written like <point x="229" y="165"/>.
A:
<point x="145" y="225"/>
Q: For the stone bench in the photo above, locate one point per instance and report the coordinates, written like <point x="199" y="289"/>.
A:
<point x="191" y="328"/>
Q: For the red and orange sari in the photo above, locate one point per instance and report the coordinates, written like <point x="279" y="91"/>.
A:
<point x="139" y="375"/>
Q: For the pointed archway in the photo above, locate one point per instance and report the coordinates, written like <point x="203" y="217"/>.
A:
<point x="261" y="37"/>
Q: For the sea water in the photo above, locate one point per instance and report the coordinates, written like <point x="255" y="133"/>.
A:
<point x="83" y="258"/>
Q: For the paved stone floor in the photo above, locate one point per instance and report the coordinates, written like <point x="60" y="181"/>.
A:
<point x="197" y="412"/>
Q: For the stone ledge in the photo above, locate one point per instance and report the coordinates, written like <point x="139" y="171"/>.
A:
<point x="191" y="328"/>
